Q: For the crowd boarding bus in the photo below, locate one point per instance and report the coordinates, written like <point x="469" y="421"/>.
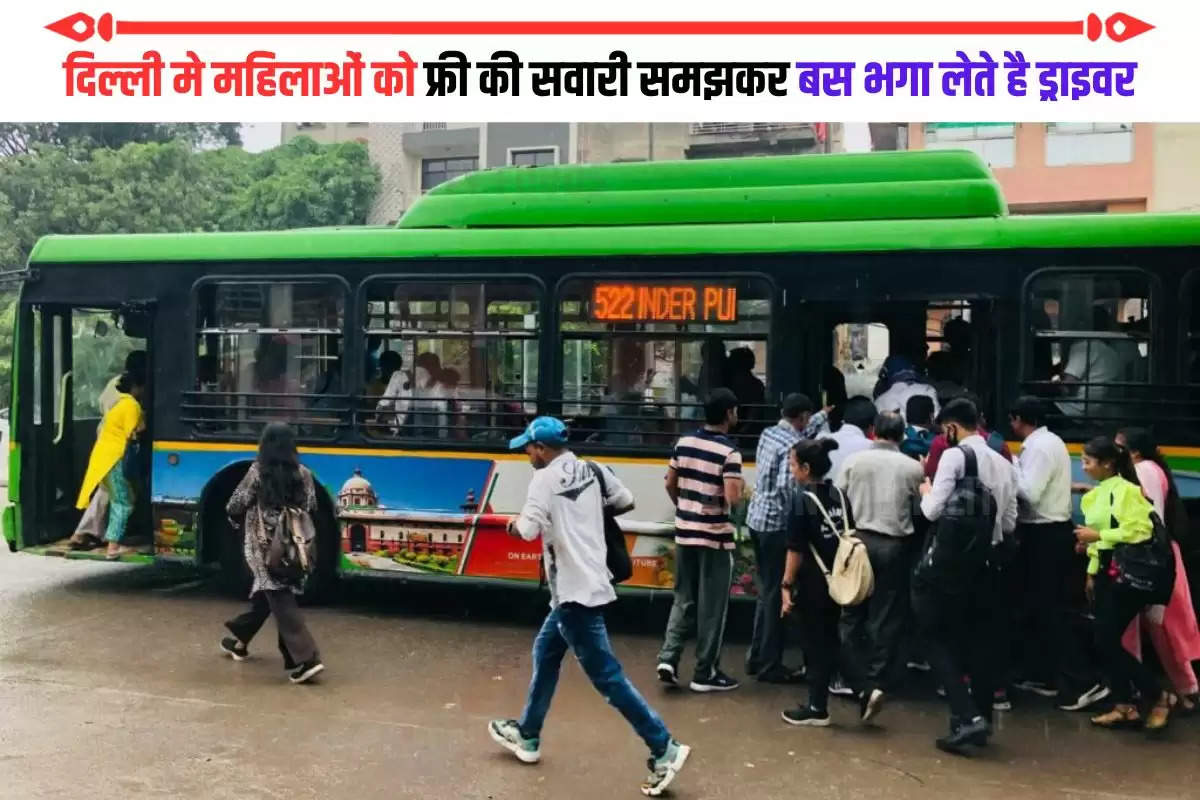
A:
<point x="615" y="296"/>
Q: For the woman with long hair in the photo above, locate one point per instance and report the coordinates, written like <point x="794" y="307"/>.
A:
<point x="1116" y="513"/>
<point x="275" y="481"/>
<point x="818" y="513"/>
<point x="106" y="465"/>
<point x="1172" y="628"/>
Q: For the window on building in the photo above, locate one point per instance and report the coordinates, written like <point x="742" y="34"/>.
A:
<point x="450" y="360"/>
<point x="534" y="157"/>
<point x="1090" y="342"/>
<point x="639" y="357"/>
<point x="435" y="171"/>
<point x="994" y="142"/>
<point x="1088" y="143"/>
<point x="268" y="351"/>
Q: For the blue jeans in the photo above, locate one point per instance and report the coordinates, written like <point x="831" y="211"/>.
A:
<point x="582" y="629"/>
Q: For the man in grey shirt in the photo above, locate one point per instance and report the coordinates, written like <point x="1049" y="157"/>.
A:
<point x="883" y="486"/>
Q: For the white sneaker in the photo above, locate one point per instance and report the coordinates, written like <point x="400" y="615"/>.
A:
<point x="667" y="674"/>
<point x="1087" y="699"/>
<point x="838" y="687"/>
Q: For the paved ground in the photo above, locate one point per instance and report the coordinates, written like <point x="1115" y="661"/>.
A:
<point x="111" y="687"/>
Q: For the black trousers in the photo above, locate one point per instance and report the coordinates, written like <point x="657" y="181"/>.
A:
<point x="1056" y="633"/>
<point x="295" y="641"/>
<point x="1115" y="609"/>
<point x="767" y="641"/>
<point x="960" y="632"/>
<point x="871" y="632"/>
<point x="819" y="636"/>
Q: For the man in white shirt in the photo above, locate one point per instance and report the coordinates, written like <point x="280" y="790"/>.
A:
<point x="1056" y="662"/>
<point x="565" y="507"/>
<point x="970" y="627"/>
<point x="858" y="422"/>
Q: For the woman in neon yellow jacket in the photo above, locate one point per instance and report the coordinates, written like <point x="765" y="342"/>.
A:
<point x="105" y="466"/>
<point x="1117" y="513"/>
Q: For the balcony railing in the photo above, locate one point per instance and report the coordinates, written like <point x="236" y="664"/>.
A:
<point x="743" y="128"/>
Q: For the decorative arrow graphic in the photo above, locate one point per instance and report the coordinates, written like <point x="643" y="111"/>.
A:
<point x="81" y="27"/>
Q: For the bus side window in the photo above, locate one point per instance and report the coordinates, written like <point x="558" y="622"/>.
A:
<point x="268" y="351"/>
<point x="1089" y="344"/>
<point x="450" y="360"/>
<point x="639" y="358"/>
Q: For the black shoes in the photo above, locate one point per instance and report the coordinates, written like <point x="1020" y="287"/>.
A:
<point x="975" y="732"/>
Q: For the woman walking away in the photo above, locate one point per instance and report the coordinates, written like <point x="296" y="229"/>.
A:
<point x="819" y="512"/>
<point x="275" y="481"/>
<point x="106" y="466"/>
<point x="1172" y="628"/>
<point x="1117" y="514"/>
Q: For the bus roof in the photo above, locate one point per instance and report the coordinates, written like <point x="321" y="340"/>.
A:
<point x="878" y="202"/>
<point x="813" y="188"/>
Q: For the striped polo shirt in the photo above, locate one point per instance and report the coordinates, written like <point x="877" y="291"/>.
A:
<point x="702" y="461"/>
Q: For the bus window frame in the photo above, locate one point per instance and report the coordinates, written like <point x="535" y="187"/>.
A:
<point x="1153" y="282"/>
<point x="774" y="294"/>
<point x="269" y="277"/>
<point x="545" y="321"/>
<point x="1189" y="285"/>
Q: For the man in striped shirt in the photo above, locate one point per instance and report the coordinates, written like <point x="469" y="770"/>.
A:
<point x="704" y="480"/>
<point x="767" y="519"/>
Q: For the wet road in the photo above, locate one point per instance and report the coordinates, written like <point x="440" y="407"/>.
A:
<point x="111" y="687"/>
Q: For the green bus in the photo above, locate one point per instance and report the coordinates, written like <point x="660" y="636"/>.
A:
<point x="613" y="295"/>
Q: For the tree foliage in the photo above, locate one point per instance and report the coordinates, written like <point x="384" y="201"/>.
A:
<point x="171" y="186"/>
<point x="18" y="138"/>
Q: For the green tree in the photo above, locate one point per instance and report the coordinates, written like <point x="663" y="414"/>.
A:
<point x="18" y="138"/>
<point x="159" y="187"/>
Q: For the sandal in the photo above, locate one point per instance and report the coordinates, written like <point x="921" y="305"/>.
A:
<point x="1122" y="716"/>
<point x="1160" y="714"/>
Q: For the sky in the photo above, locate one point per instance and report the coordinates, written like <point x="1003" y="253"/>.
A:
<point x="259" y="136"/>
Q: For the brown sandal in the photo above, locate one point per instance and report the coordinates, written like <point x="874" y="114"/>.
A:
<point x="1122" y="716"/>
<point x="1160" y="714"/>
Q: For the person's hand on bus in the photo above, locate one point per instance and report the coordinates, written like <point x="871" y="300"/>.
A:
<point x="511" y="527"/>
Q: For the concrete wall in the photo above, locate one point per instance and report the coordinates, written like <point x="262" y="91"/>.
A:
<point x="1176" y="167"/>
<point x="1032" y="186"/>
<point x="502" y="136"/>
<point x="604" y="142"/>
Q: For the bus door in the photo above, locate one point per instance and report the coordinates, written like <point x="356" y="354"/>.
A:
<point x="76" y="352"/>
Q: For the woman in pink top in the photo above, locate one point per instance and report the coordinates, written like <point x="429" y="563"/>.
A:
<point x="1172" y="629"/>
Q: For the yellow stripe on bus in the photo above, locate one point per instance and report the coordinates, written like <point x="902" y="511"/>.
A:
<point x="1075" y="448"/>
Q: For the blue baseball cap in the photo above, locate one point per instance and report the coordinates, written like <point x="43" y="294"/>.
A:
<point x="543" y="430"/>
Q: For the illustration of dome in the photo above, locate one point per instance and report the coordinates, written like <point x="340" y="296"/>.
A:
<point x="357" y="491"/>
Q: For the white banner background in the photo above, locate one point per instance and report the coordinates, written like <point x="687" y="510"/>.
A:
<point x="33" y="82"/>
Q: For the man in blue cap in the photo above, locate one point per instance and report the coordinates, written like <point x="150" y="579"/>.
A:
<point x="565" y="507"/>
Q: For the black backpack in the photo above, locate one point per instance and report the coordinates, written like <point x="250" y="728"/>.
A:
<point x="1148" y="567"/>
<point x="616" y="550"/>
<point x="961" y="539"/>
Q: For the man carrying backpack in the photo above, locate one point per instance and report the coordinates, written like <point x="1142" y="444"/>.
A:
<point x="565" y="506"/>
<point x="972" y="504"/>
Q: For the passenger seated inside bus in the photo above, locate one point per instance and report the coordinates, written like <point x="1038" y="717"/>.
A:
<point x="942" y="376"/>
<point x="750" y="391"/>
<point x="1091" y="365"/>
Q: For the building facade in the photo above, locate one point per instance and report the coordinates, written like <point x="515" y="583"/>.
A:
<point x="1049" y="167"/>
<point x="414" y="157"/>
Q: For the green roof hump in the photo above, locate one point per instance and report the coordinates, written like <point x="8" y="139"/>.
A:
<point x="941" y="184"/>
